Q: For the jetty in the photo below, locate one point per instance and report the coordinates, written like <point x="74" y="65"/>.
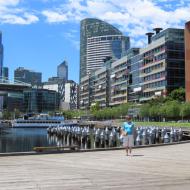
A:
<point x="164" y="167"/>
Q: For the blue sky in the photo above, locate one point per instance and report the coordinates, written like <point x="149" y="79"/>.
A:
<point x="40" y="34"/>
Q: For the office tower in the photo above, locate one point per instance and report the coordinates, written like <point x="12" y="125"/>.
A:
<point x="99" y="40"/>
<point x="187" y="61"/>
<point x="1" y="55"/>
<point x="5" y="73"/>
<point x="27" y="76"/>
<point x="62" y="71"/>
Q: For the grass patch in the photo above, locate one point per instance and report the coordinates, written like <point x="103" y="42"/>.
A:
<point x="162" y="124"/>
<point x="159" y="124"/>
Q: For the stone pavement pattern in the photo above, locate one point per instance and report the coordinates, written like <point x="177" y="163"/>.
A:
<point x="166" y="168"/>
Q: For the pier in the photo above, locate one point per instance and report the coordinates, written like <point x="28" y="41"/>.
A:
<point x="165" y="167"/>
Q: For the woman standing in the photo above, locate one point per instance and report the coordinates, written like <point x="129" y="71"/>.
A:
<point x="128" y="130"/>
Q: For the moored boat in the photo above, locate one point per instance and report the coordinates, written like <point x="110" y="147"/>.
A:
<point x="41" y="121"/>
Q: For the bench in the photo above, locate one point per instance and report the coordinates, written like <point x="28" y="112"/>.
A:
<point x="56" y="148"/>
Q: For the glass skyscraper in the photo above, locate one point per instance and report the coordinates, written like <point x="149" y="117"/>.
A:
<point x="99" y="40"/>
<point x="27" y="76"/>
<point x="1" y="54"/>
<point x="62" y="71"/>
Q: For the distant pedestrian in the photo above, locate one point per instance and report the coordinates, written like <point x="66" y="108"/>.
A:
<point x="128" y="130"/>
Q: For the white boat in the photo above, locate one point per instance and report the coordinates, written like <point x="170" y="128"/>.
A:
<point x="41" y="121"/>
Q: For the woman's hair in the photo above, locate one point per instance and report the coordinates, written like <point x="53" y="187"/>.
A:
<point x="128" y="117"/>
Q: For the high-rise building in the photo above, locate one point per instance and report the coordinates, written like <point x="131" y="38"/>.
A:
<point x="62" y="71"/>
<point x="5" y="73"/>
<point x="99" y="40"/>
<point x="27" y="76"/>
<point x="187" y="61"/>
<point x="1" y="55"/>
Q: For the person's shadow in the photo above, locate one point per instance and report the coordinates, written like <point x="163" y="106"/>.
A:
<point x="136" y="155"/>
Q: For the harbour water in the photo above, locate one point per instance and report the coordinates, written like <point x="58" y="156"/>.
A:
<point x="23" y="140"/>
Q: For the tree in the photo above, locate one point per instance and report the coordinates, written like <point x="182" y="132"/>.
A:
<point x="172" y="109"/>
<point x="145" y="110"/>
<point x="6" y="114"/>
<point x="178" y="95"/>
<point x="95" y="107"/>
<point x="185" y="110"/>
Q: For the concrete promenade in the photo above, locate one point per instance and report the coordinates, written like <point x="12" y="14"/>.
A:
<point x="156" y="168"/>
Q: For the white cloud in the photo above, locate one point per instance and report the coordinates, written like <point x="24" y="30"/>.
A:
<point x="134" y="17"/>
<point x="9" y="2"/>
<point x="11" y="13"/>
<point x="14" y="19"/>
<point x="53" y="17"/>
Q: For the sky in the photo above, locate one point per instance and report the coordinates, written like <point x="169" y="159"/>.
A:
<point x="40" y="34"/>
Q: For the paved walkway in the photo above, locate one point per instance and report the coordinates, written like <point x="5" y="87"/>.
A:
<point x="166" y="168"/>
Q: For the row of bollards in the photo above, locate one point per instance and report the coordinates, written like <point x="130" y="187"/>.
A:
<point x="90" y="137"/>
<point x="156" y="135"/>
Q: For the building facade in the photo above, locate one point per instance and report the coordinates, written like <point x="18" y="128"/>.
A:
<point x="101" y="87"/>
<point x="187" y="61"/>
<point x="67" y="90"/>
<point x="119" y="78"/>
<point x="99" y="40"/>
<point x="85" y="92"/>
<point x="27" y="76"/>
<point x="142" y="74"/>
<point x="62" y="71"/>
<point x="71" y="95"/>
<point x="1" y="54"/>
<point x="162" y="68"/>
<point x="5" y="73"/>
<point x="40" y="100"/>
<point x="134" y="62"/>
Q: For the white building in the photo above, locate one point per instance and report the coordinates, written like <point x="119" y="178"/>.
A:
<point x="67" y="93"/>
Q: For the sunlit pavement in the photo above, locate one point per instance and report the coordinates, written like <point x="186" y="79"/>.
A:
<point x="156" y="168"/>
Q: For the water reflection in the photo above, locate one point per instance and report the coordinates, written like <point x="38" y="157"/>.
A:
<point x="23" y="140"/>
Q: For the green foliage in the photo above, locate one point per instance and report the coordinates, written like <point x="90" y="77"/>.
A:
<point x="95" y="107"/>
<point x="145" y="110"/>
<point x="7" y="115"/>
<point x="185" y="110"/>
<point x="172" y="109"/>
<point x="178" y="95"/>
<point x="156" y="109"/>
<point x="71" y="114"/>
<point x="111" y="113"/>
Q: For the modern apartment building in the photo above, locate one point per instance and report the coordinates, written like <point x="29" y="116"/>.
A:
<point x="162" y="69"/>
<point x="62" y="71"/>
<point x="85" y="92"/>
<point x="142" y="74"/>
<point x="187" y="61"/>
<point x="101" y="86"/>
<point x="27" y="76"/>
<point x="134" y="82"/>
<point x="119" y="78"/>
<point x="99" y="40"/>
<point x="1" y="54"/>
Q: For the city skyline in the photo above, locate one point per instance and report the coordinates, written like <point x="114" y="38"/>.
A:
<point x="41" y="34"/>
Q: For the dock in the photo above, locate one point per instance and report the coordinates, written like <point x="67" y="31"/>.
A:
<point x="155" y="168"/>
